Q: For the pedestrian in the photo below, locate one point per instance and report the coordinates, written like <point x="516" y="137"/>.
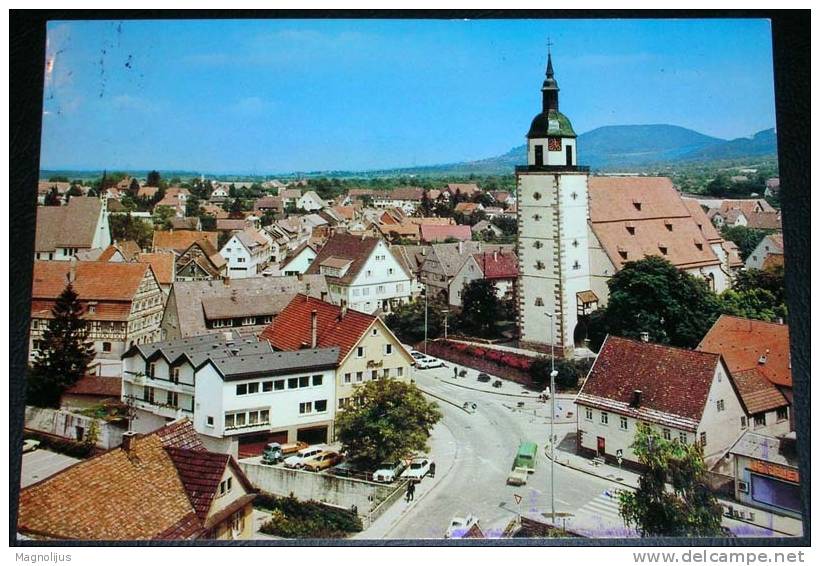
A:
<point x="411" y="491"/>
<point x="455" y="371"/>
<point x="432" y="469"/>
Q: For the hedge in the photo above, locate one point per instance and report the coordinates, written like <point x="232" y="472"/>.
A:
<point x="292" y="518"/>
<point x="71" y="448"/>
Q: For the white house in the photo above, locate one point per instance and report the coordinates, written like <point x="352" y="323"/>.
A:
<point x="310" y="201"/>
<point x="247" y="253"/>
<point x="770" y="245"/>
<point x="362" y="273"/>
<point x="684" y="395"/>
<point x="239" y="393"/>
<point x="62" y="231"/>
<point x="407" y="199"/>
<point x="299" y="261"/>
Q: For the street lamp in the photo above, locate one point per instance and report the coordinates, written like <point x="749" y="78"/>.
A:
<point x="445" y="312"/>
<point x="553" y="373"/>
<point x="425" y="318"/>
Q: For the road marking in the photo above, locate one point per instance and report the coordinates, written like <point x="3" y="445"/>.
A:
<point x="602" y="505"/>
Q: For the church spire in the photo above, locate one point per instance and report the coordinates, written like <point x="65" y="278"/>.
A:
<point x="550" y="87"/>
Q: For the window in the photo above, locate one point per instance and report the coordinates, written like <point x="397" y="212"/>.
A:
<point x="683" y="438"/>
<point x="365" y="291"/>
<point x="539" y="265"/>
<point x="782" y="414"/>
<point x="320" y="406"/>
<point x="344" y="402"/>
<point x="264" y="416"/>
<point x="248" y="321"/>
<point x="359" y="375"/>
<point x="637" y="205"/>
<point x="360" y="352"/>
<point x="388" y="349"/>
<point x="539" y="302"/>
<point x="253" y="417"/>
<point x="293" y="383"/>
<point x="304" y="381"/>
<point x="760" y="420"/>
<point x="536" y="195"/>
<point x="703" y="439"/>
<point x="175" y="375"/>
<point x="380" y="289"/>
<point x="576" y="265"/>
<point x="604" y="418"/>
<point x="399" y="372"/>
<point x="348" y="378"/>
<point x="152" y="370"/>
<point x="106" y="346"/>
<point x="209" y="421"/>
<point x="267" y="386"/>
<point x="369" y="273"/>
<point x="375" y="332"/>
<point x="267" y="319"/>
<point x="667" y="434"/>
<point x="240" y="260"/>
<point x="374" y="375"/>
<point x="253" y="387"/>
<point x="574" y="243"/>
<point x="623" y="254"/>
<point x="240" y="419"/>
<point x="279" y="385"/>
<point x="148" y="394"/>
<point x="317" y="380"/>
<point x="305" y="408"/>
<point x="720" y="405"/>
<point x="743" y="422"/>
<point x="229" y="421"/>
<point x="538" y="245"/>
<point x="242" y="389"/>
<point x="399" y="287"/>
<point x="172" y="398"/>
<point x="93" y="309"/>
<point x="663" y="249"/>
<point x="355" y="292"/>
<point x="386" y="373"/>
<point x="588" y="414"/>
<point x="624" y="423"/>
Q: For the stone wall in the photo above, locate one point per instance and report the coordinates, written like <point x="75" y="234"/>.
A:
<point x="65" y="424"/>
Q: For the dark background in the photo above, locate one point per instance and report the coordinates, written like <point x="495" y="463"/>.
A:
<point x="791" y="42"/>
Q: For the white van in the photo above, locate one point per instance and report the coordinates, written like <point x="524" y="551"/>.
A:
<point x="298" y="460"/>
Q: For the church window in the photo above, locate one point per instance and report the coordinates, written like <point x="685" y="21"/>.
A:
<point x="539" y="155"/>
<point x="539" y="265"/>
<point x="637" y="204"/>
<point x="699" y="245"/>
<point x="574" y="195"/>
<point x="536" y="195"/>
<point x="574" y="243"/>
<point x="631" y="230"/>
<point x="622" y="253"/>
<point x="538" y="245"/>
<point x="663" y="249"/>
<point x="539" y="302"/>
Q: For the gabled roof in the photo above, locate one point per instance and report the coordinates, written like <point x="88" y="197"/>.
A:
<point x="468" y="207"/>
<point x="431" y="233"/>
<point x="674" y="382"/>
<point x="497" y="265"/>
<point x="209" y="260"/>
<point x="764" y="221"/>
<point x="452" y="256"/>
<point x="405" y="193"/>
<point x="180" y="240"/>
<point x="757" y="393"/>
<point x="162" y="263"/>
<point x="147" y="192"/>
<point x="463" y="188"/>
<point x="410" y="257"/>
<point x="707" y="229"/>
<point x="71" y="226"/>
<point x="306" y="247"/>
<point x="228" y="224"/>
<point x="747" y="206"/>
<point x="767" y="448"/>
<point x="268" y="202"/>
<point x="93" y="280"/>
<point x="746" y="344"/>
<point x="291" y="330"/>
<point x="185" y="223"/>
<point x="345" y="246"/>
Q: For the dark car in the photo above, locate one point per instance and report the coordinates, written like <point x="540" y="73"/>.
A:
<point x="497" y="383"/>
<point x="483" y="378"/>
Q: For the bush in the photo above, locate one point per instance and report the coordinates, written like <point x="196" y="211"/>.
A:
<point x="71" y="448"/>
<point x="292" y="518"/>
<point x="570" y="372"/>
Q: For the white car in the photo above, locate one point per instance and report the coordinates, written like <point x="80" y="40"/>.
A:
<point x="425" y="362"/>
<point x="419" y="467"/>
<point x="30" y="445"/>
<point x="460" y="525"/>
<point x="298" y="460"/>
<point x="387" y="472"/>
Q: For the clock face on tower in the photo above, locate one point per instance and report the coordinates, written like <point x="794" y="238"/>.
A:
<point x="554" y="144"/>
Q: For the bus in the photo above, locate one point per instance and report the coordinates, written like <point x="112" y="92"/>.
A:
<point x="526" y="456"/>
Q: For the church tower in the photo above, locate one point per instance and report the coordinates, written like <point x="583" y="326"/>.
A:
<point x="553" y="214"/>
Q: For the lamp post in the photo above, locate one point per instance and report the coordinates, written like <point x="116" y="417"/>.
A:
<point x="553" y="373"/>
<point x="445" y="312"/>
<point x="425" y="318"/>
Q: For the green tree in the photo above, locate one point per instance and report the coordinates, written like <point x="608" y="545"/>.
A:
<point x="388" y="420"/>
<point x="570" y="372"/>
<point x="481" y="307"/>
<point x="236" y="208"/>
<point x="162" y="217"/>
<point x="192" y="207"/>
<point x="126" y="227"/>
<point x="758" y="304"/>
<point x="208" y="223"/>
<point x="64" y="354"/>
<point x="153" y="179"/>
<point x="719" y="186"/>
<point x="134" y="187"/>
<point x="746" y="239"/>
<point x="407" y="321"/>
<point x="53" y="198"/>
<point x="689" y="509"/>
<point x="770" y="279"/>
<point x="652" y="295"/>
<point x="58" y="179"/>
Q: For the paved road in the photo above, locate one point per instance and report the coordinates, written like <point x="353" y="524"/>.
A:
<point x="40" y="464"/>
<point x="485" y="444"/>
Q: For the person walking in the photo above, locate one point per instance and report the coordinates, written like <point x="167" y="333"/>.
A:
<point x="455" y="371"/>
<point x="411" y="491"/>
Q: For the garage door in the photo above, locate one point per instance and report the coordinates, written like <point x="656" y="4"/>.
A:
<point x="316" y="435"/>
<point x="254" y="444"/>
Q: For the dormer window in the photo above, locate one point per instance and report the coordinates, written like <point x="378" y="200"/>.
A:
<point x="630" y="228"/>
<point x="699" y="245"/>
<point x="668" y="225"/>
<point x="622" y="252"/>
<point x="637" y="204"/>
<point x="663" y="248"/>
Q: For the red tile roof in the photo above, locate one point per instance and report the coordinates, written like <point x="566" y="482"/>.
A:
<point x="180" y="240"/>
<point x="742" y="342"/>
<point x="757" y="393"/>
<point x="432" y="233"/>
<point x="466" y="189"/>
<point x="291" y="329"/>
<point x="162" y="263"/>
<point x="96" y="386"/>
<point x="93" y="280"/>
<point x="674" y="382"/>
<point x="498" y="265"/>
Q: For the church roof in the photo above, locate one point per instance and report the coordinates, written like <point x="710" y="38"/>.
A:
<point x="551" y="124"/>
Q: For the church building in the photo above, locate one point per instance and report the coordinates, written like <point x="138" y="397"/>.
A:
<point x="576" y="231"/>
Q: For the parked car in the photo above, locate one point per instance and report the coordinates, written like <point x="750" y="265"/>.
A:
<point x="460" y="525"/>
<point x="484" y="378"/>
<point x="293" y="447"/>
<point x="497" y="383"/>
<point x="419" y="467"/>
<point x="30" y="445"/>
<point x="518" y="476"/>
<point x="346" y="470"/>
<point x="323" y="461"/>
<point x="272" y="454"/>
<point x="387" y="472"/>
<point x="423" y="361"/>
<point x="303" y="455"/>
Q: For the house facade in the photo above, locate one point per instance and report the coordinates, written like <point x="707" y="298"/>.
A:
<point x="498" y="267"/>
<point x="122" y="303"/>
<point x="62" y="231"/>
<point x="238" y="392"/>
<point x="770" y="245"/>
<point x="684" y="395"/>
<point x="310" y="201"/>
<point x="247" y="254"/>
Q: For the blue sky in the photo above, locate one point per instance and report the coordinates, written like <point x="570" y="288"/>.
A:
<point x="267" y="96"/>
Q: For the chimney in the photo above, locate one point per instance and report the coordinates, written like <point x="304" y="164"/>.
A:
<point x="313" y="327"/>
<point x="644" y="336"/>
<point x="128" y="440"/>
<point x="323" y="296"/>
<point x="495" y="255"/>
<point x="636" y="398"/>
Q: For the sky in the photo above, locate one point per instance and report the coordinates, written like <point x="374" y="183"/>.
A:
<point x="275" y="96"/>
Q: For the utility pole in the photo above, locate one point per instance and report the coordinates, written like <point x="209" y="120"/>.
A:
<point x="445" y="312"/>
<point x="553" y="373"/>
<point x="425" y="318"/>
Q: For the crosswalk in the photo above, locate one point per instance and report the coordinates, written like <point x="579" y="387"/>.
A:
<point x="604" y="505"/>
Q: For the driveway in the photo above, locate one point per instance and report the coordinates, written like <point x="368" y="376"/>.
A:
<point x="40" y="464"/>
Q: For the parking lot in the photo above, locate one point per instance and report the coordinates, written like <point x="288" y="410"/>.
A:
<point x="40" y="464"/>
